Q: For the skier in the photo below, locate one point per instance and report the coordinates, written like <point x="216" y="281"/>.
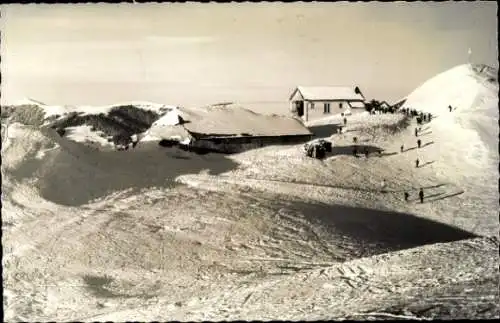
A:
<point x="449" y="107"/>
<point x="345" y="121"/>
<point x="419" y="142"/>
<point x="382" y="186"/>
<point x="406" y="196"/>
<point x="355" y="139"/>
<point x="402" y="148"/>
<point x="421" y="195"/>
<point x="416" y="132"/>
<point x="417" y="162"/>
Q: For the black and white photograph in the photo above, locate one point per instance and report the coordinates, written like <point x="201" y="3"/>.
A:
<point x="239" y="161"/>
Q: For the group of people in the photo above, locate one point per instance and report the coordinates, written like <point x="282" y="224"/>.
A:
<point x="406" y="194"/>
<point x="420" y="195"/>
<point x="427" y="117"/>
<point x="421" y="117"/>
<point x="383" y="110"/>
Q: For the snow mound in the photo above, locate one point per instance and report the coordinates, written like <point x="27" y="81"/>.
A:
<point x="464" y="87"/>
<point x="85" y="134"/>
<point x="175" y="116"/>
<point x="472" y="92"/>
<point x="116" y="124"/>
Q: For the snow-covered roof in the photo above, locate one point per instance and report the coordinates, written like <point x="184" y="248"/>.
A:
<point x="237" y="121"/>
<point x="327" y="93"/>
<point x="357" y="104"/>
<point x="232" y="121"/>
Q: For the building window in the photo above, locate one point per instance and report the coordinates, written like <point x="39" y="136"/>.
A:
<point x="326" y="108"/>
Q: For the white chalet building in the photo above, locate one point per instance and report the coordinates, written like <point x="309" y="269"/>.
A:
<point x="309" y="102"/>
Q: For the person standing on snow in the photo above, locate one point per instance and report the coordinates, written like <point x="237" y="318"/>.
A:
<point x="417" y="162"/>
<point x="421" y="195"/>
<point x="416" y="132"/>
<point x="402" y="148"/>
<point x="406" y="196"/>
<point x="419" y="143"/>
<point x="345" y="121"/>
<point x="450" y="108"/>
<point x="382" y="186"/>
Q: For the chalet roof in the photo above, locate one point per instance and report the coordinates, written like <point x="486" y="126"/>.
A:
<point x="232" y="121"/>
<point x="222" y="121"/>
<point x="327" y="93"/>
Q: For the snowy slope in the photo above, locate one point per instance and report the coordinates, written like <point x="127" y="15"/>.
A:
<point x="472" y="92"/>
<point x="463" y="144"/>
<point x="266" y="234"/>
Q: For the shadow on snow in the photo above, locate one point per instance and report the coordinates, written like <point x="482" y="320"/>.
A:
<point x="377" y="231"/>
<point x="323" y="131"/>
<point x="75" y="174"/>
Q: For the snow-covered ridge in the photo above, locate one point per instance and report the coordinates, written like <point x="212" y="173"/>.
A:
<point x="462" y="87"/>
<point x="102" y="125"/>
<point x="471" y="128"/>
<point x="60" y="110"/>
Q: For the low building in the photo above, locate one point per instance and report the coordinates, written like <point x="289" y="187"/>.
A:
<point x="309" y="102"/>
<point x="227" y="129"/>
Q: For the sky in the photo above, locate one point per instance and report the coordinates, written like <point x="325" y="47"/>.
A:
<point x="192" y="54"/>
